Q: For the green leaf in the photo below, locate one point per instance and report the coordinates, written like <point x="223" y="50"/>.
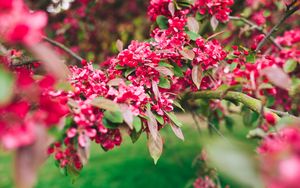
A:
<point x="135" y="135"/>
<point x="177" y="70"/>
<point x="73" y="173"/>
<point x="119" y="67"/>
<point x="184" y="3"/>
<point x="270" y="101"/>
<point x="178" y="105"/>
<point x="162" y="22"/>
<point x="160" y="119"/>
<point x="109" y="124"/>
<point x="213" y="122"/>
<point x="250" y="58"/>
<point x="63" y="171"/>
<point x="192" y="35"/>
<point x="233" y="66"/>
<point x="290" y="65"/>
<point x="137" y="123"/>
<point x="164" y="83"/>
<point x="114" y="116"/>
<point x="249" y="117"/>
<point x="164" y="64"/>
<point x="174" y="119"/>
<point x="6" y="86"/>
<point x="129" y="71"/>
<point x="229" y="122"/>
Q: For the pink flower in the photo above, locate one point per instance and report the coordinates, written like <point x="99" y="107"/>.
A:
<point x="205" y="182"/>
<point x="280" y="159"/>
<point x="18" y="24"/>
<point x="219" y="8"/>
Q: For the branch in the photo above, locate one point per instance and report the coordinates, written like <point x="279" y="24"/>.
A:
<point x="253" y="25"/>
<point x="250" y="102"/>
<point x="287" y="14"/>
<point x="63" y="47"/>
<point x="23" y="63"/>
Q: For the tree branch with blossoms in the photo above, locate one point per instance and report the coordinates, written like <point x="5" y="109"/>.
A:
<point x="254" y="26"/>
<point x="291" y="9"/>
<point x="137" y="90"/>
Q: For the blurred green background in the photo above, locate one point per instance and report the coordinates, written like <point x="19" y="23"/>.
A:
<point x="130" y="166"/>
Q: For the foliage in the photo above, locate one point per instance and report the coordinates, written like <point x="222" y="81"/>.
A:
<point x="197" y="57"/>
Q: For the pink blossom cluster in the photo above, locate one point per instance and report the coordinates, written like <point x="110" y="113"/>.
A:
<point x="158" y="7"/>
<point x="289" y="38"/>
<point x="205" y="182"/>
<point x="280" y="160"/>
<point x="32" y="104"/>
<point x="208" y="53"/>
<point x="19" y="24"/>
<point x="252" y="75"/>
<point x="138" y="76"/>
<point x="218" y="8"/>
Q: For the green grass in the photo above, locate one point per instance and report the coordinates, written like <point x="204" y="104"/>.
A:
<point x="129" y="166"/>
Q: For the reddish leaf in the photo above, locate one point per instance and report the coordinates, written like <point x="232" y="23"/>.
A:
<point x="53" y="64"/>
<point x="127" y="115"/>
<point x="28" y="159"/>
<point x="193" y="24"/>
<point x="187" y="54"/>
<point x="155" y="147"/>
<point x="277" y="77"/>
<point x="152" y="124"/>
<point x="214" y="23"/>
<point x="6" y="87"/>
<point x="73" y="103"/>
<point x="171" y="8"/>
<point x="197" y="75"/>
<point x="155" y="90"/>
<point x="165" y="71"/>
<point x="177" y="131"/>
<point x="115" y="82"/>
<point x="84" y="152"/>
<point x="105" y="104"/>
<point x="119" y="45"/>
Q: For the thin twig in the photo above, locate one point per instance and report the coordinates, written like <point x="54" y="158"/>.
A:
<point x="63" y="47"/>
<point x="254" y="26"/>
<point x="280" y="113"/>
<point x="287" y="14"/>
<point x="213" y="127"/>
<point x="196" y="121"/>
